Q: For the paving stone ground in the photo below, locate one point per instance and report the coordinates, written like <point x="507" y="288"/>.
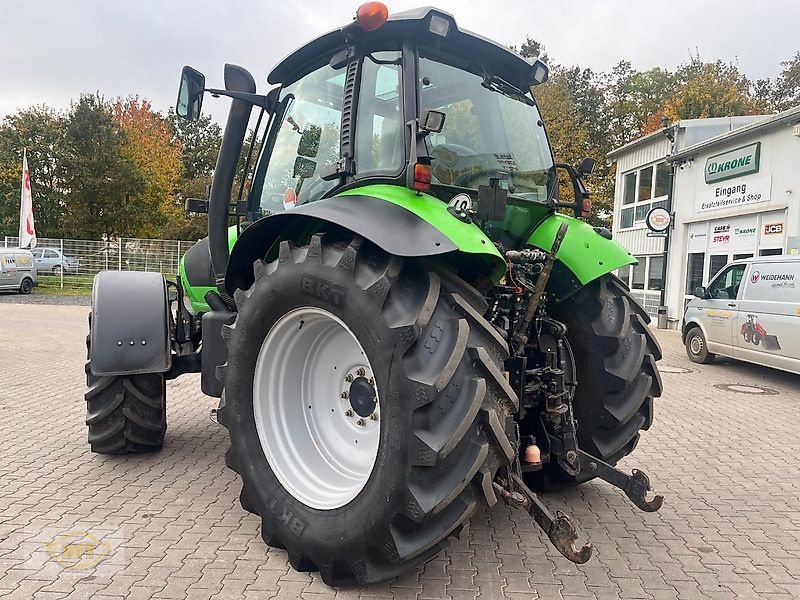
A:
<point x="169" y="525"/>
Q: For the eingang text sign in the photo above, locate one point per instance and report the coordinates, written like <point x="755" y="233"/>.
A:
<point x="733" y="194"/>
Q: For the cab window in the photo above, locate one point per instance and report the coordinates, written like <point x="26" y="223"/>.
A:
<point x="303" y="139"/>
<point x="379" y="131"/>
<point x="726" y="286"/>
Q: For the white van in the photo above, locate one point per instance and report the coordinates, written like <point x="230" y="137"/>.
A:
<point x="17" y="270"/>
<point x="749" y="311"/>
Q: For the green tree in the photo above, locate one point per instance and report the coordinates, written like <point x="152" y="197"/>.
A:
<point x="39" y="130"/>
<point x="786" y="90"/>
<point x="711" y="90"/>
<point x="102" y="185"/>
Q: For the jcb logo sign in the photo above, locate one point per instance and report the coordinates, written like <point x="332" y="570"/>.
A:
<point x="773" y="228"/>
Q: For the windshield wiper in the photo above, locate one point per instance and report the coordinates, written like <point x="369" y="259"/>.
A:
<point x="501" y="86"/>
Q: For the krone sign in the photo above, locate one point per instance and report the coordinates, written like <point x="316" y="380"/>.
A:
<point x="734" y="163"/>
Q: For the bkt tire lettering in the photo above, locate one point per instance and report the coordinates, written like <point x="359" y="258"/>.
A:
<point x="324" y="290"/>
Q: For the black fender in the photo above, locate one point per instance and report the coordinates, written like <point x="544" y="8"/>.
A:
<point x="130" y="324"/>
<point x="393" y="228"/>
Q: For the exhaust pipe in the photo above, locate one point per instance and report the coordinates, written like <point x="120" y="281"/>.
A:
<point x="237" y="79"/>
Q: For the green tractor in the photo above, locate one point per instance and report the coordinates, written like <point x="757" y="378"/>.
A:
<point x="398" y="322"/>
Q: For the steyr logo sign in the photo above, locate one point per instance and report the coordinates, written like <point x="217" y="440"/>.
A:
<point x="734" y="163"/>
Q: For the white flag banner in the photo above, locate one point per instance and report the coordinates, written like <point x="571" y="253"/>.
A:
<point x="27" y="232"/>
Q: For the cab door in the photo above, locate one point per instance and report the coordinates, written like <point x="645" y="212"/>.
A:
<point x="720" y="309"/>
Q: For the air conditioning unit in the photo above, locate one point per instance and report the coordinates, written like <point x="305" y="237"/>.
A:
<point x="796" y="130"/>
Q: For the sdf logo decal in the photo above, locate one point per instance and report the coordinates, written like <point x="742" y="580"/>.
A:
<point x="755" y="277"/>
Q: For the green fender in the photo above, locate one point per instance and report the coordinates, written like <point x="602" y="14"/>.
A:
<point x="583" y="251"/>
<point x="467" y="237"/>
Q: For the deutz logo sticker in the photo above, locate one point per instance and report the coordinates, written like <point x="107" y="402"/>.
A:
<point x="734" y="163"/>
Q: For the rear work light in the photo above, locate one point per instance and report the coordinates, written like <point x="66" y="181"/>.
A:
<point x="372" y="15"/>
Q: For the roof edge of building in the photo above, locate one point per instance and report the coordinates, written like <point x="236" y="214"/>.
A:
<point x="765" y="124"/>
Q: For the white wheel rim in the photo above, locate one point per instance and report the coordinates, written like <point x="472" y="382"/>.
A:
<point x="310" y="377"/>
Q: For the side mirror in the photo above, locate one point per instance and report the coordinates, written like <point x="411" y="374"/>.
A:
<point x="190" y="94"/>
<point x="432" y="121"/>
<point x="303" y="167"/>
<point x="700" y="292"/>
<point x="587" y="166"/>
<point x="309" y="141"/>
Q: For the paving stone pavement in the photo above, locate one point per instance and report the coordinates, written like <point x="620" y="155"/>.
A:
<point x="169" y="525"/>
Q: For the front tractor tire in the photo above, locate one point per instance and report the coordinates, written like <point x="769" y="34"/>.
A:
<point x="125" y="414"/>
<point x="615" y="355"/>
<point x="366" y="405"/>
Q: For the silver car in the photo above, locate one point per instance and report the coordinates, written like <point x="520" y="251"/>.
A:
<point x="749" y="311"/>
<point x="17" y="270"/>
<point x="52" y="260"/>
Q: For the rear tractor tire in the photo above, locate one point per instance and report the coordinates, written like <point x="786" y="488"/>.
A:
<point x="366" y="406"/>
<point x="614" y="357"/>
<point x="126" y="414"/>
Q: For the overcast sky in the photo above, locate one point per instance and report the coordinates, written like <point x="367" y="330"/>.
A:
<point x="52" y="50"/>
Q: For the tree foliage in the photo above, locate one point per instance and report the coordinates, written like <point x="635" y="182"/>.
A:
<point x="589" y="113"/>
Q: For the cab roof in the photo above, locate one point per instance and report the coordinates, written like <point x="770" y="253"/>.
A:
<point x="404" y="25"/>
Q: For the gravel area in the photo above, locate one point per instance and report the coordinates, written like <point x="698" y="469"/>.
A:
<point x="43" y="298"/>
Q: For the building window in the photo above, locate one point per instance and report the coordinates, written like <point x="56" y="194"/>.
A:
<point x="625" y="274"/>
<point x="770" y="252"/>
<point x="655" y="273"/>
<point x="629" y="191"/>
<point x="639" y="273"/>
<point x="662" y="180"/>
<point x="645" y="184"/>
<point x="741" y="256"/>
<point x="627" y="218"/>
<point x="716" y="262"/>
<point x="694" y="271"/>
<point x="645" y="188"/>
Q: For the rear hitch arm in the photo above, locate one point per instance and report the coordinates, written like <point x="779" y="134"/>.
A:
<point x="559" y="527"/>
<point x="636" y="485"/>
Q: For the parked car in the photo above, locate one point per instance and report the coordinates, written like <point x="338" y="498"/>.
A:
<point x="750" y="311"/>
<point x="17" y="270"/>
<point x="52" y="260"/>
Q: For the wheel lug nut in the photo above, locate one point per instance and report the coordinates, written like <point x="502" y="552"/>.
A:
<point x="349" y="413"/>
<point x="344" y="395"/>
<point x="361" y="372"/>
<point x="374" y="416"/>
<point x="349" y="378"/>
<point x="371" y="381"/>
<point x="362" y="422"/>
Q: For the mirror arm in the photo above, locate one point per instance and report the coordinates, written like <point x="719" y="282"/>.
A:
<point x="579" y="189"/>
<point x="254" y="99"/>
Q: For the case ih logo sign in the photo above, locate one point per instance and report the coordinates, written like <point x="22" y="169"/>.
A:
<point x="755" y="276"/>
<point x="773" y="228"/>
<point x="735" y="163"/>
<point x="721" y="234"/>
